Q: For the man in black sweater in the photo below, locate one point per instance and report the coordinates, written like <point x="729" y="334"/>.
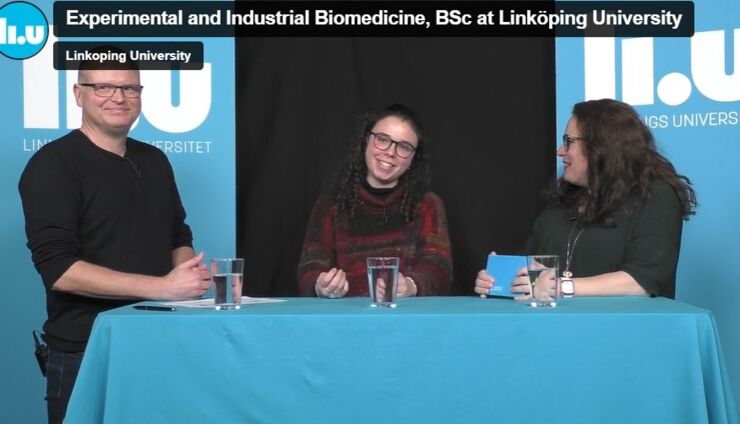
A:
<point x="104" y="222"/>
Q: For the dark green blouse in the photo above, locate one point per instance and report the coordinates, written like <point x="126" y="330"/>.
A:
<point x="644" y="243"/>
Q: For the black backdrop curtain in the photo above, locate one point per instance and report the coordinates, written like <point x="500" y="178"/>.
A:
<point x="488" y="105"/>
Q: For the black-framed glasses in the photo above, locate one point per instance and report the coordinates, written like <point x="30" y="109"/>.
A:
<point x="568" y="140"/>
<point x="382" y="141"/>
<point x="104" y="89"/>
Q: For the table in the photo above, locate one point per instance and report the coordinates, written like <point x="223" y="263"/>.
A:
<point x="431" y="360"/>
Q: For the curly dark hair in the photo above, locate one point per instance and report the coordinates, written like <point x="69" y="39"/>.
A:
<point x="622" y="162"/>
<point x="414" y="182"/>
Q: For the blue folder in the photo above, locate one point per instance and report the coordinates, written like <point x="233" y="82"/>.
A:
<point x="503" y="269"/>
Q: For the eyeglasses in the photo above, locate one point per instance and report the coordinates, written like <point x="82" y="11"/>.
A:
<point x="568" y="140"/>
<point x="130" y="91"/>
<point x="383" y="142"/>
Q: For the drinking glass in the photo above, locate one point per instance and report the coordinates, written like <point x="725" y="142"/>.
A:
<point x="227" y="282"/>
<point x="382" y="278"/>
<point x="543" y="279"/>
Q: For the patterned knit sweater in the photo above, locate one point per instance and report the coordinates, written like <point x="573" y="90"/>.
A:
<point x="377" y="229"/>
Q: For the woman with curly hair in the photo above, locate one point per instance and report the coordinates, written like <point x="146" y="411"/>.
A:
<point x="615" y="216"/>
<point x="379" y="206"/>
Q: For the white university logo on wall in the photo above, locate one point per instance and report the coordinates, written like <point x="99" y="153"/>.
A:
<point x="41" y="93"/>
<point x="23" y="30"/>
<point x="708" y="62"/>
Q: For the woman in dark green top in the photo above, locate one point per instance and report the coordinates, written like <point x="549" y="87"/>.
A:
<point x="616" y="214"/>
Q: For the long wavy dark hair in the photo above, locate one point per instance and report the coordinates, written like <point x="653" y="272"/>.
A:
<point x="414" y="182"/>
<point x="622" y="162"/>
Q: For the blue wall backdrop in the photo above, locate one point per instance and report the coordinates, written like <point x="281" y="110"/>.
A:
<point x="688" y="92"/>
<point x="188" y="114"/>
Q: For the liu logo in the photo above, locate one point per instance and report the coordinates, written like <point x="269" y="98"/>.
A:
<point x="42" y="96"/>
<point x="709" y="59"/>
<point x="23" y="30"/>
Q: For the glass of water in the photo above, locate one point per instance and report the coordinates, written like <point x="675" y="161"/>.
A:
<point x="543" y="279"/>
<point x="382" y="279"/>
<point x="227" y="282"/>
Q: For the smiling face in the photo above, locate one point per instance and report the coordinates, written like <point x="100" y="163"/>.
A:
<point x="385" y="167"/>
<point x="575" y="162"/>
<point x="110" y="115"/>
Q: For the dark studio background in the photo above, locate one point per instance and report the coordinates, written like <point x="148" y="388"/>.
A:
<point x="488" y="105"/>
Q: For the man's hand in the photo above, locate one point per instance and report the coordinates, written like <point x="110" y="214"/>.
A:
<point x="189" y="280"/>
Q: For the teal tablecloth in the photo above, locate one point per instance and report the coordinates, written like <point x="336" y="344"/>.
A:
<point x="431" y="360"/>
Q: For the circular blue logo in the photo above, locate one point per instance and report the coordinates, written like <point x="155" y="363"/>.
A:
<point x="23" y="30"/>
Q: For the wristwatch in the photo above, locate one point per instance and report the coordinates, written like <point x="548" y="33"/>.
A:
<point x="566" y="287"/>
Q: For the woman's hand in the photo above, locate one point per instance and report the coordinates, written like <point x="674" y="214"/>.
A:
<point x="406" y="286"/>
<point x="520" y="285"/>
<point x="483" y="283"/>
<point x="332" y="284"/>
<point x="545" y="288"/>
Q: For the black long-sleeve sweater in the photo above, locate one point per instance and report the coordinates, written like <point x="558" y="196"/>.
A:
<point x="82" y="202"/>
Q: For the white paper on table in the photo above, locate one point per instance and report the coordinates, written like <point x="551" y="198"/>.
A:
<point x="208" y="303"/>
